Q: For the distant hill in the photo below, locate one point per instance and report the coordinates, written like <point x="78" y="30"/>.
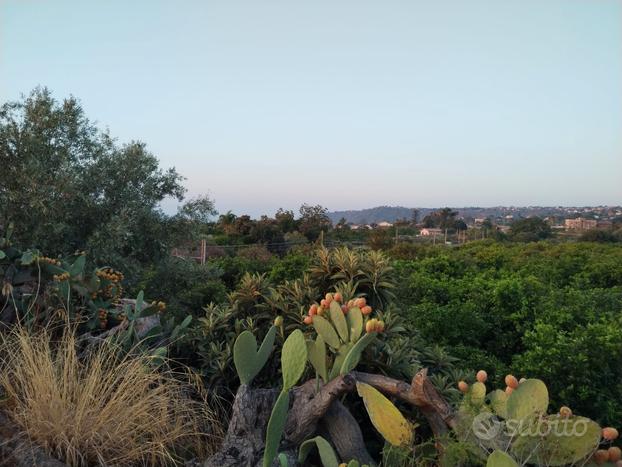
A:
<point x="376" y="215"/>
<point x="497" y="213"/>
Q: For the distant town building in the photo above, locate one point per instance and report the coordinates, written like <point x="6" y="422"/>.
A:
<point x="580" y="224"/>
<point x="604" y="225"/>
<point x="384" y="224"/>
<point x="429" y="232"/>
<point x="360" y="226"/>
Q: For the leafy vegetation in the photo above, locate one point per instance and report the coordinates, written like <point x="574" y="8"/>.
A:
<point x="347" y="301"/>
<point x="551" y="311"/>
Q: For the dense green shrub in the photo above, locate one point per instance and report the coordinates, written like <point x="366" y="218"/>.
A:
<point x="185" y="285"/>
<point x="291" y="267"/>
<point x="233" y="268"/>
<point x="545" y="310"/>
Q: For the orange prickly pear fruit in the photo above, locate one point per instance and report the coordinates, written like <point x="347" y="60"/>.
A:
<point x="350" y="303"/>
<point x="324" y="303"/>
<point x="481" y="376"/>
<point x="320" y="310"/>
<point x="360" y="302"/>
<point x="366" y="310"/>
<point x="522" y="380"/>
<point x="509" y="390"/>
<point x="308" y="320"/>
<point x="337" y="297"/>
<point x="511" y="381"/>
<point x="565" y="412"/>
<point x="370" y="326"/>
<point x="344" y="308"/>
<point x="380" y="326"/>
<point x="313" y="309"/>
<point x="601" y="456"/>
<point x="343" y="464"/>
<point x="610" y="433"/>
<point x="329" y="297"/>
<point x="278" y="321"/>
<point x="463" y="387"/>
<point x="615" y="454"/>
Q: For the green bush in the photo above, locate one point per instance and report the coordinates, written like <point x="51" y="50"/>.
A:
<point x="185" y="285"/>
<point x="550" y="311"/>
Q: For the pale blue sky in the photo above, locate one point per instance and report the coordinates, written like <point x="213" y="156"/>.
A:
<point x="349" y="104"/>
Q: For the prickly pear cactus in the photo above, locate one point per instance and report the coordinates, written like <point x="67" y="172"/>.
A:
<point x="293" y="359"/>
<point x="387" y="419"/>
<point x="247" y="359"/>
<point x="353" y="356"/>
<point x="558" y="440"/>
<point x="293" y="362"/>
<point x="327" y="331"/>
<point x="500" y="459"/>
<point x="283" y="462"/>
<point x="276" y="425"/>
<point x="340" y="326"/>
<point x="498" y="400"/>
<point x="317" y="356"/>
<point x="340" y="357"/>
<point x="354" y="317"/>
<point x="339" y="321"/>
<point x="514" y="425"/>
<point x="327" y="454"/>
<point x="530" y="399"/>
<point x="477" y="394"/>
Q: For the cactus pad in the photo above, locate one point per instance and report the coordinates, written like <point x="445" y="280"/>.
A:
<point x="339" y="321"/>
<point x="498" y="402"/>
<point x="293" y="359"/>
<point x="562" y="450"/>
<point x="500" y="459"/>
<point x="354" y="319"/>
<point x="477" y="393"/>
<point x="327" y="331"/>
<point x="529" y="399"/>
<point x="353" y="356"/>
<point x="248" y="361"/>
<point x="327" y="454"/>
<point x="276" y="424"/>
<point x="317" y="356"/>
<point x="387" y="419"/>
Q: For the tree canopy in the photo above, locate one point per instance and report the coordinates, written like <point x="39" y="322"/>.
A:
<point x="67" y="185"/>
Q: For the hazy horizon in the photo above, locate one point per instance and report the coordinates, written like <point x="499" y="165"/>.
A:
<point x="350" y="105"/>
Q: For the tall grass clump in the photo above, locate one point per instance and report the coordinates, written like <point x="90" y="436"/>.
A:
<point x="106" y="408"/>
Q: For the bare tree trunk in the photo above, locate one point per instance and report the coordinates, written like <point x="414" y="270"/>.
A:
<point x="346" y="434"/>
<point x="314" y="409"/>
<point x="244" y="443"/>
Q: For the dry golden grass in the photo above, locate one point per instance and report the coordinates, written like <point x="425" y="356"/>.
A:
<point x="106" y="409"/>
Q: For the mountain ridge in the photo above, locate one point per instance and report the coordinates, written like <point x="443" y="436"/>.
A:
<point x="379" y="214"/>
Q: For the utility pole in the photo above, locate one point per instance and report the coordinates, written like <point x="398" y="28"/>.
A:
<point x="203" y="250"/>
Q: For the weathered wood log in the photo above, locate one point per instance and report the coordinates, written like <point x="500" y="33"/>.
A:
<point x="316" y="408"/>
<point x="142" y="326"/>
<point x="310" y="403"/>
<point x="421" y="393"/>
<point x="244" y="442"/>
<point x="345" y="434"/>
